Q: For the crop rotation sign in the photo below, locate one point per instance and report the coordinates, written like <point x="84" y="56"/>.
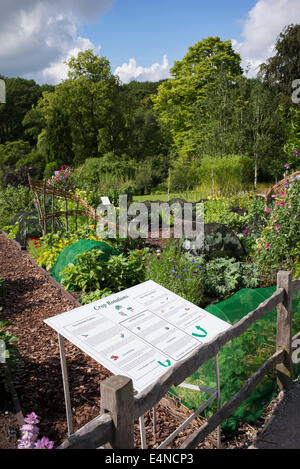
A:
<point x="140" y="332"/>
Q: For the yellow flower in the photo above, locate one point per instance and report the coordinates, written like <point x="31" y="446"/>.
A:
<point x="92" y="227"/>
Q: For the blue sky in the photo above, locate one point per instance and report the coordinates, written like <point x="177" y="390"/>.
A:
<point x="140" y="38"/>
<point x="148" y="29"/>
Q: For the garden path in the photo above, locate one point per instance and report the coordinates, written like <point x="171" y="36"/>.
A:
<point x="282" y="431"/>
<point x="32" y="297"/>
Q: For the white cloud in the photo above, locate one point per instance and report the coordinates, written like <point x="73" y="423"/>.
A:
<point x="130" y="71"/>
<point x="264" y="23"/>
<point x="37" y="36"/>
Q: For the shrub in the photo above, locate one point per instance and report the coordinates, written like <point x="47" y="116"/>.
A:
<point x="197" y="279"/>
<point x="281" y="235"/>
<point x="226" y="175"/>
<point x="14" y="200"/>
<point x="119" y="272"/>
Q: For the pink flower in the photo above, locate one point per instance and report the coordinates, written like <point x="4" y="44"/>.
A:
<point x="267" y="246"/>
<point x="31" y="419"/>
<point x="44" y="443"/>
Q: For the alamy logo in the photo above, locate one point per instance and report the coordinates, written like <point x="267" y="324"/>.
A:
<point x="134" y="220"/>
<point x="296" y="93"/>
<point x="296" y="352"/>
<point x="2" y="351"/>
<point x="2" y="92"/>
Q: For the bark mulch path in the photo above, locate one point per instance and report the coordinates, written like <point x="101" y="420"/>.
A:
<point x="30" y="299"/>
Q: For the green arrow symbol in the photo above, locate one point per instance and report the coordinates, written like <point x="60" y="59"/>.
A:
<point x="204" y="332"/>
<point x="166" y="364"/>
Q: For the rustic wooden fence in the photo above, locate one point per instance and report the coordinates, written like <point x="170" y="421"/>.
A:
<point x="43" y="189"/>
<point x="120" y="407"/>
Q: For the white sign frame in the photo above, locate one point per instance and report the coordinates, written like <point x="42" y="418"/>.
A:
<point x="124" y="315"/>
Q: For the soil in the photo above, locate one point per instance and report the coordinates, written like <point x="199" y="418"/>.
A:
<point x="9" y="427"/>
<point x="30" y="299"/>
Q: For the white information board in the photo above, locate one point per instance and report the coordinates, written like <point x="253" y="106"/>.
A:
<point x="140" y="332"/>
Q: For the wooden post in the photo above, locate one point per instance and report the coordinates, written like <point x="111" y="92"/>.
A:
<point x="44" y="207"/>
<point x="67" y="219"/>
<point x="284" y="331"/>
<point x="117" y="398"/>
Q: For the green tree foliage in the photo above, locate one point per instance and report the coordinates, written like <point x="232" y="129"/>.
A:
<point x="83" y="118"/>
<point x="21" y="95"/>
<point x="241" y="118"/>
<point x="284" y="67"/>
<point x="144" y="136"/>
<point x="192" y="78"/>
<point x="11" y="152"/>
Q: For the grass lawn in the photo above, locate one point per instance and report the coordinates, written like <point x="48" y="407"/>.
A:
<point x="195" y="195"/>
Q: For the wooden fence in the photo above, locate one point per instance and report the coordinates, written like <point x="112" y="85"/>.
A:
<point x="120" y="407"/>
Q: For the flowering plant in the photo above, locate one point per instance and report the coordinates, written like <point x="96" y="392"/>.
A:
<point x="62" y="178"/>
<point x="282" y="233"/>
<point x="30" y="432"/>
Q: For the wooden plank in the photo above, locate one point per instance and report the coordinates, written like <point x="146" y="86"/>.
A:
<point x="95" y="433"/>
<point x="145" y="401"/>
<point x="296" y="336"/>
<point x="284" y="331"/>
<point x="193" y="440"/>
<point x="295" y="285"/>
<point x="117" y="398"/>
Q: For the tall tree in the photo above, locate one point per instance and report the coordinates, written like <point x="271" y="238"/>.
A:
<point x="284" y="67"/>
<point x="192" y="78"/>
<point x="83" y="117"/>
<point x="21" y="95"/>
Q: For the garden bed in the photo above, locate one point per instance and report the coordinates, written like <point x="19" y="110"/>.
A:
<point x="33" y="296"/>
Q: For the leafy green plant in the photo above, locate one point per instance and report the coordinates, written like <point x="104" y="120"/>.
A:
<point x="173" y="270"/>
<point x="12" y="230"/>
<point x="14" y="200"/>
<point x="222" y="276"/>
<point x="89" y="273"/>
<point x="196" y="278"/>
<point x="52" y="244"/>
<point x="95" y="295"/>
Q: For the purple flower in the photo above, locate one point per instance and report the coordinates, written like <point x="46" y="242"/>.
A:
<point x="186" y="279"/>
<point x="287" y="166"/>
<point x="31" y="419"/>
<point x="44" y="443"/>
<point x="295" y="152"/>
<point x="172" y="271"/>
<point x="25" y="444"/>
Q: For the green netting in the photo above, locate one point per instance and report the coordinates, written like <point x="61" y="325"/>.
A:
<point x="69" y="254"/>
<point x="240" y="358"/>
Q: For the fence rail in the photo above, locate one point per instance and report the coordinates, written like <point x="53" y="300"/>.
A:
<point x="119" y="406"/>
